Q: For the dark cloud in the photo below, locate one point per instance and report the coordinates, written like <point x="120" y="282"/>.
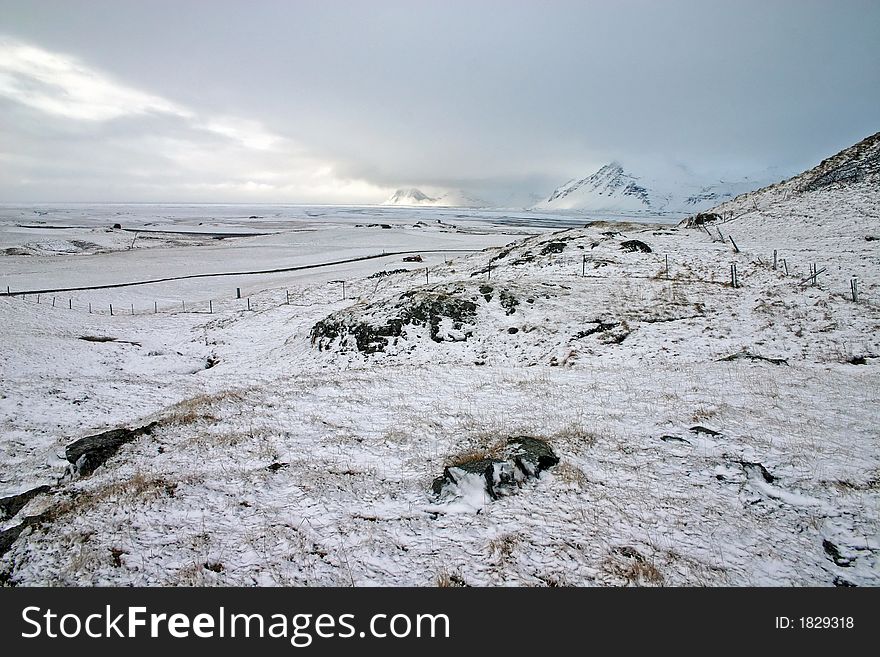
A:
<point x="493" y="97"/>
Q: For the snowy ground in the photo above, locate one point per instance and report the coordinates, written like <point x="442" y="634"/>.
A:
<point x="284" y="463"/>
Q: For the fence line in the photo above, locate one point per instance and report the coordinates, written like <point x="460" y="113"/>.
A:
<point x="279" y="270"/>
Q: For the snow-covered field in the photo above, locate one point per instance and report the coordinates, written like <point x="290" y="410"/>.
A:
<point x="707" y="435"/>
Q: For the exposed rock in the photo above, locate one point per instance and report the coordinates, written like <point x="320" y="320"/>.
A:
<point x="89" y="453"/>
<point x="701" y="429"/>
<point x="757" y="470"/>
<point x="834" y="553"/>
<point x="508" y="301"/>
<point x="750" y="356"/>
<point x="420" y="307"/>
<point x="11" y="505"/>
<point x="10" y="535"/>
<point x="635" y="245"/>
<point x="498" y="477"/>
<point x="600" y="327"/>
<point x="553" y="247"/>
<point x="523" y="458"/>
<point x="532" y="455"/>
<point x="97" y="338"/>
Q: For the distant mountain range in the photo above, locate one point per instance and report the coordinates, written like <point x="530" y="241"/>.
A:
<point x="614" y="190"/>
<point x="611" y="190"/>
<point x="415" y="197"/>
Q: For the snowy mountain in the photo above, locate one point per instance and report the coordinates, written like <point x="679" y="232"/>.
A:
<point x="410" y="196"/>
<point x="609" y="187"/>
<point x="416" y="197"/>
<point x="614" y="190"/>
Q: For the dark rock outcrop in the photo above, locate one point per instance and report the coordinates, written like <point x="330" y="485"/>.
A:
<point x="635" y="245"/>
<point x="524" y="457"/>
<point x="11" y="505"/>
<point x="89" y="453"/>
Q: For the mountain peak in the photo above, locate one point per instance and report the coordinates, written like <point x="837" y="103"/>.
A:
<point x="611" y="181"/>
<point x="614" y="190"/>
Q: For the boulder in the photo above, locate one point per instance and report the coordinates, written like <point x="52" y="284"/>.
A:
<point x="89" y="453"/>
<point x="524" y="457"/>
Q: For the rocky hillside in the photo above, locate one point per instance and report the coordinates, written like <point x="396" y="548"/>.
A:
<point x="856" y="169"/>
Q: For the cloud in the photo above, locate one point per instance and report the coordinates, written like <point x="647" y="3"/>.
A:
<point x="73" y="129"/>
<point x="497" y="98"/>
<point x="60" y="85"/>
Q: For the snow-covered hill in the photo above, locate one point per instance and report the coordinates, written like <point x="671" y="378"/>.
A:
<point x="415" y="197"/>
<point x="706" y="434"/>
<point x="853" y="170"/>
<point x="614" y="190"/>
<point x="828" y="216"/>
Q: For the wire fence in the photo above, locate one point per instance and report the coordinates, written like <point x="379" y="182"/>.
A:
<point x="655" y="267"/>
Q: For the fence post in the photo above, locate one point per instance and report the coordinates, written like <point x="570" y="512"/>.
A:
<point x="132" y="309"/>
<point x="774" y="258"/>
<point x="238" y="293"/>
<point x="288" y="296"/>
<point x="584" y="266"/>
<point x="426" y="276"/>
<point x="70" y="304"/>
<point x="183" y="303"/>
<point x="667" y="266"/>
<point x="489" y="277"/>
<point x="785" y="266"/>
<point x="735" y="247"/>
<point x="210" y="306"/>
<point x="53" y="302"/>
<point x="38" y="298"/>
<point x="155" y="307"/>
<point x="111" y="310"/>
<point x="249" y="303"/>
<point x="90" y="307"/>
<point x="854" y="286"/>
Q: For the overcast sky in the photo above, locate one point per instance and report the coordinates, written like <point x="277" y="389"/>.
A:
<point x="333" y="102"/>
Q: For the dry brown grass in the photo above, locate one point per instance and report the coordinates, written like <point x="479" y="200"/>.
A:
<point x="633" y="568"/>
<point x="450" y="580"/>
<point x="575" y="435"/>
<point x="201" y="408"/>
<point x="139" y="488"/>
<point x="502" y="547"/>
<point x="571" y="475"/>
